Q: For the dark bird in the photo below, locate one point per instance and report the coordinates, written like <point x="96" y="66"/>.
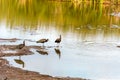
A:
<point x="58" y="52"/>
<point x="20" y="46"/>
<point x="58" y="40"/>
<point x="19" y="61"/>
<point x="42" y="52"/>
<point x="42" y="41"/>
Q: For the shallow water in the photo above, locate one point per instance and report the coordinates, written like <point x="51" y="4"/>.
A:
<point x="93" y="59"/>
<point x="89" y="37"/>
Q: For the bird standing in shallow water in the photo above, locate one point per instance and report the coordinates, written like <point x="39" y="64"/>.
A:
<point x="42" y="41"/>
<point x="58" y="40"/>
<point x="20" y="46"/>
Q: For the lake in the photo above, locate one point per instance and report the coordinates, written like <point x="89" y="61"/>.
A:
<point x="90" y="36"/>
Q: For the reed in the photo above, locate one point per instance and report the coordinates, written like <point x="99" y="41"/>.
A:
<point x="64" y="15"/>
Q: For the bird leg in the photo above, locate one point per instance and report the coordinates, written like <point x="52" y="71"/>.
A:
<point x="19" y="57"/>
<point x="57" y="44"/>
<point x="43" y="44"/>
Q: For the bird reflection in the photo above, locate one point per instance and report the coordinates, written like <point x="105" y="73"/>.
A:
<point x="19" y="61"/>
<point x="42" y="52"/>
<point x="58" y="52"/>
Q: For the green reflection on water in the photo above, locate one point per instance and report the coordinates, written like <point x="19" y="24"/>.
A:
<point x="85" y="18"/>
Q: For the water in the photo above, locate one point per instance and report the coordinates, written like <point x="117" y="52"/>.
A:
<point x="93" y="59"/>
<point x="90" y="36"/>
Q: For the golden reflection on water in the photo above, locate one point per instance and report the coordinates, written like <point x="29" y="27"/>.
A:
<point x="63" y="16"/>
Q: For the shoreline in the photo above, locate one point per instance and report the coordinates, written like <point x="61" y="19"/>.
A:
<point x="8" y="72"/>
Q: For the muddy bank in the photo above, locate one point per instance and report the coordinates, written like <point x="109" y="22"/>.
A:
<point x="8" y="72"/>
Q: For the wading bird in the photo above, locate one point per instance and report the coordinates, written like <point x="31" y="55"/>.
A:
<point x="20" y="46"/>
<point x="58" y="40"/>
<point x="42" y="41"/>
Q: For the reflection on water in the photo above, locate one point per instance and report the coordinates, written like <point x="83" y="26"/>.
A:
<point x="19" y="61"/>
<point x="89" y="37"/>
<point x="42" y="52"/>
<point x="58" y="52"/>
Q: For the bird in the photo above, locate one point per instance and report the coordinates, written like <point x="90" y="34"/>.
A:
<point x="58" y="40"/>
<point x="42" y="41"/>
<point x="58" y="52"/>
<point x="19" y="61"/>
<point x="20" y="46"/>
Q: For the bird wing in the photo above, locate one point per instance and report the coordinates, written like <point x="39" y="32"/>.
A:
<point x="41" y="40"/>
